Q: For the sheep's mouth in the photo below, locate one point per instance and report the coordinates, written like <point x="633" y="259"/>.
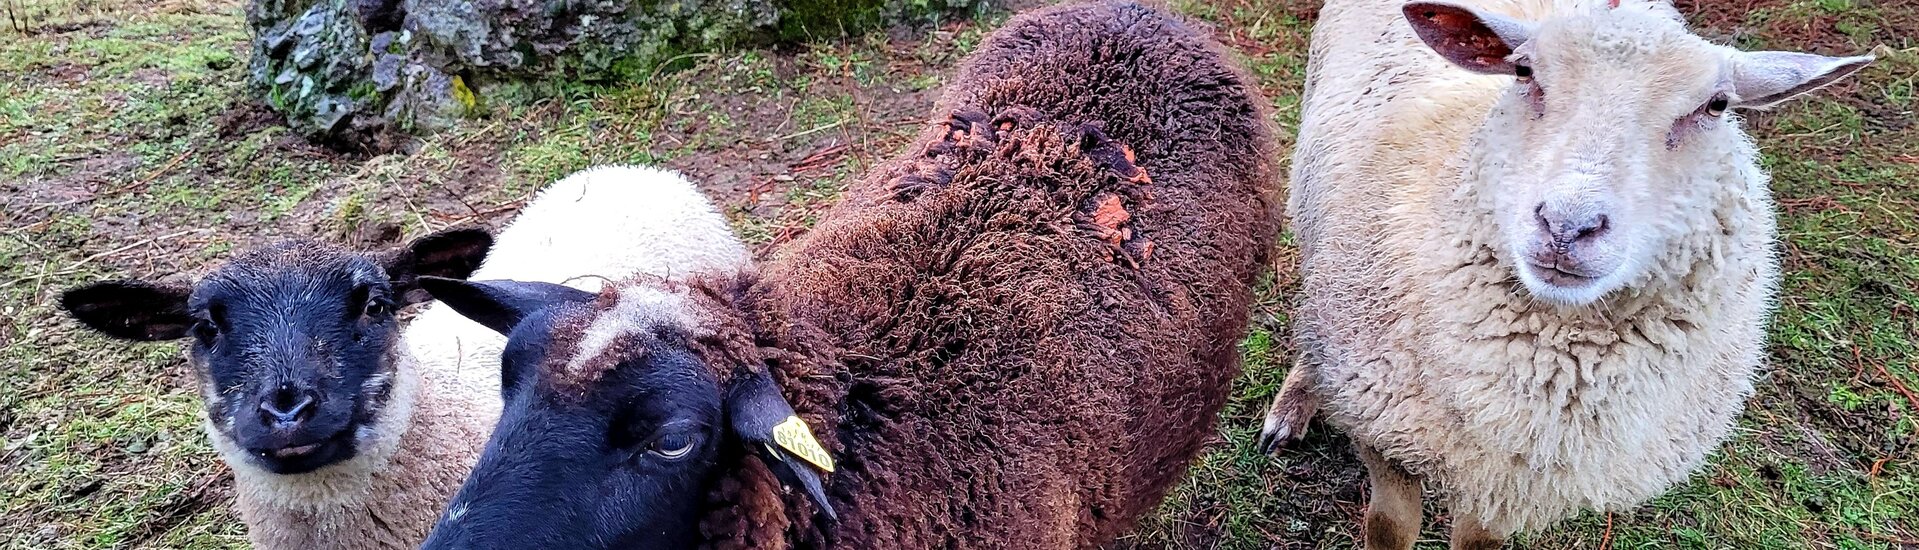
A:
<point x="1561" y="277"/>
<point x="306" y="457"/>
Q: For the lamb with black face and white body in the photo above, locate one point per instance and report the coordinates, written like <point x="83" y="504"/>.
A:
<point x="1536" y="252"/>
<point x="345" y="430"/>
<point x="1017" y="334"/>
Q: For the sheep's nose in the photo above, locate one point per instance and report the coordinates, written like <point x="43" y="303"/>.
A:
<point x="287" y="407"/>
<point x="1571" y="226"/>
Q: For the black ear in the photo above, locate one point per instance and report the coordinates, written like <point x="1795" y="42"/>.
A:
<point x="500" y="305"/>
<point x="767" y="426"/>
<point x="1474" y="40"/>
<point x="452" y="254"/>
<point x="132" y="310"/>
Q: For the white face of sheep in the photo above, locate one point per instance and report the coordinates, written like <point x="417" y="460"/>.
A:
<point x="1615" y="136"/>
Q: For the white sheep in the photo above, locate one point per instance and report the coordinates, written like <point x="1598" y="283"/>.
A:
<point x="1536" y="266"/>
<point x="425" y="402"/>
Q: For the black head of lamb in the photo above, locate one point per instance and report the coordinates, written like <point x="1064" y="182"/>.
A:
<point x="293" y="343"/>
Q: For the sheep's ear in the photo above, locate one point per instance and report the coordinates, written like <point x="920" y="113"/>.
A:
<point x="1474" y="40"/>
<point x="500" y="305"/>
<point x="1764" y="79"/>
<point x="132" y="310"/>
<point x="767" y="426"/>
<point x="452" y="254"/>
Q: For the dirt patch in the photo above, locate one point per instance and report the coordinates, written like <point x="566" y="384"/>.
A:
<point x="774" y="144"/>
<point x="245" y="118"/>
<point x="1784" y="24"/>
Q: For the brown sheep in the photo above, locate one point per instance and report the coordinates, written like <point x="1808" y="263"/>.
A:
<point x="1016" y="335"/>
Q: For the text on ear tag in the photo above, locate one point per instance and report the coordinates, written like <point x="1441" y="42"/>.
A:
<point x="793" y="435"/>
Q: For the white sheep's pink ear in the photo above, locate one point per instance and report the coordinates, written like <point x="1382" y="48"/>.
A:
<point x="1474" y="40"/>
<point x="1764" y="79"/>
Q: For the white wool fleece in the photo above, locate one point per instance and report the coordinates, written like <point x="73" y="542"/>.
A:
<point x="1426" y="345"/>
<point x="606" y="223"/>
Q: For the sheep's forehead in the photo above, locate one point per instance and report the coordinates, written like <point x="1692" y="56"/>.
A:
<point x="615" y="328"/>
<point x="1626" y="49"/>
<point x="294" y="269"/>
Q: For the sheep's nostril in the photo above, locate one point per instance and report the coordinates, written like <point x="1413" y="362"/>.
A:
<point x="1568" y="228"/>
<point x="286" y="407"/>
<point x="1593" y="230"/>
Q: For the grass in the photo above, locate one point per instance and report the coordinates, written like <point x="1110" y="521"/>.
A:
<point x="128" y="147"/>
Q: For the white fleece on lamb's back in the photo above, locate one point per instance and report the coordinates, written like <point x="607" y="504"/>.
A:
<point x="606" y="223"/>
<point x="615" y="221"/>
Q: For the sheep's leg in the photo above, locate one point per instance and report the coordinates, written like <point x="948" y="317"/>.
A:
<point x="1292" y="409"/>
<point x="1470" y="534"/>
<point x="1393" y="515"/>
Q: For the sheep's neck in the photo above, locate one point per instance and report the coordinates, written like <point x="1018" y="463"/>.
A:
<point x="747" y="508"/>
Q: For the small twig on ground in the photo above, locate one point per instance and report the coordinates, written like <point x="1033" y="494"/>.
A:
<point x="180" y="507"/>
<point x="1892" y="539"/>
<point x="810" y="132"/>
<point x="822" y="159"/>
<point x="1897" y="385"/>
<point x="479" y="214"/>
<point x="140" y="184"/>
<point x="136" y="244"/>
<point x="1605" y="541"/>
<point x="1858" y="366"/>
<point x="164" y="168"/>
<point x="75" y="266"/>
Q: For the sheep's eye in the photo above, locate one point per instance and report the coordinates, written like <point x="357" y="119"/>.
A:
<point x="371" y="303"/>
<point x="376" y="308"/>
<point x="205" y="332"/>
<point x="674" y="446"/>
<point x="1523" y="73"/>
<point x="1718" y="105"/>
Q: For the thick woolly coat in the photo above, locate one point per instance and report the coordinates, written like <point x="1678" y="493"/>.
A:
<point x="1427" y="348"/>
<point x="445" y="369"/>
<point x="1018" y="334"/>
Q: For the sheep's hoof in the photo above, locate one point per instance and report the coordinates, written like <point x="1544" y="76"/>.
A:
<point x="1286" y="420"/>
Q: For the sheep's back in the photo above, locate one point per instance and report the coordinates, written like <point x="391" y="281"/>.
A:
<point x="1040" y="330"/>
<point x="606" y="223"/>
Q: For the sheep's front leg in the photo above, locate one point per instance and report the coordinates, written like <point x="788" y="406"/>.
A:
<point x="1393" y="515"/>
<point x="1292" y="409"/>
<point x="1470" y="534"/>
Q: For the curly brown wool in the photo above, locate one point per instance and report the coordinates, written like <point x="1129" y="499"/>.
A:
<point x="1013" y="336"/>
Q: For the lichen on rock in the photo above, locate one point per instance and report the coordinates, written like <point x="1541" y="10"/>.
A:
<point x="347" y="71"/>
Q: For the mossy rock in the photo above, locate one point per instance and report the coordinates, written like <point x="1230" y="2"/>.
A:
<point x="347" y="71"/>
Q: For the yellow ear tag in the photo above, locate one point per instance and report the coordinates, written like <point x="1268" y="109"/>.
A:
<point x="793" y="436"/>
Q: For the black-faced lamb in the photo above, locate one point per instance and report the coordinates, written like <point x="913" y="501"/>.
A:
<point x="345" y="430"/>
<point x="1536" y="252"/>
<point x="1016" y="335"/>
